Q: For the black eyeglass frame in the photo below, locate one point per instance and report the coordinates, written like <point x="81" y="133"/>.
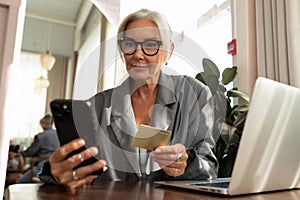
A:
<point x="159" y="43"/>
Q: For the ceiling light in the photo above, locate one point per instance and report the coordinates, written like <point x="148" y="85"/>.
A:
<point x="41" y="82"/>
<point x="47" y="60"/>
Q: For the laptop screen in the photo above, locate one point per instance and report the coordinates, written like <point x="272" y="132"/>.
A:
<point x="268" y="156"/>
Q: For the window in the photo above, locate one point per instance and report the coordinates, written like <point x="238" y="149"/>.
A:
<point x="24" y="107"/>
<point x="198" y="31"/>
<point x="214" y="32"/>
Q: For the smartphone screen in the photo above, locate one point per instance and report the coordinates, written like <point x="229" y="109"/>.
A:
<point x="76" y="119"/>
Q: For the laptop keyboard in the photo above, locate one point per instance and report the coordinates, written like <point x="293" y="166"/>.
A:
<point x="213" y="184"/>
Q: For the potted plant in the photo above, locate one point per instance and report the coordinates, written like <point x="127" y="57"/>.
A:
<point x="231" y="107"/>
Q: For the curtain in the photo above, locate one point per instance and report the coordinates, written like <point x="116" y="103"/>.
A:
<point x="293" y="40"/>
<point x="268" y="38"/>
<point x="58" y="81"/>
<point x="278" y="33"/>
<point x="21" y="89"/>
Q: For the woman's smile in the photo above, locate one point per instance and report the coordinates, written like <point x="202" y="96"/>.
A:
<point x="140" y="66"/>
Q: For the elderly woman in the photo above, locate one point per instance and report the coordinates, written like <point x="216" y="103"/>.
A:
<point x="179" y="104"/>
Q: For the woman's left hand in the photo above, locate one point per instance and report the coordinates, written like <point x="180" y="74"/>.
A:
<point x="172" y="159"/>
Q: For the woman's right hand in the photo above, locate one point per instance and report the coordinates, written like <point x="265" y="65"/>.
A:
<point x="62" y="169"/>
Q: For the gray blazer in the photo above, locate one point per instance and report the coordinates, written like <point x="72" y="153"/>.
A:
<point x="183" y="106"/>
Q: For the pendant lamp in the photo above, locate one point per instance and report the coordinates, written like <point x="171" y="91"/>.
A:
<point x="41" y="82"/>
<point x="47" y="60"/>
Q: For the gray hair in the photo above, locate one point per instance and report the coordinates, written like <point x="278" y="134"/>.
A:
<point x="47" y="119"/>
<point x="153" y="16"/>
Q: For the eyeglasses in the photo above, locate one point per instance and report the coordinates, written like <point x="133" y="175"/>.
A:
<point x="149" y="47"/>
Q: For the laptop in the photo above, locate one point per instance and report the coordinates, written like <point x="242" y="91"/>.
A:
<point x="268" y="155"/>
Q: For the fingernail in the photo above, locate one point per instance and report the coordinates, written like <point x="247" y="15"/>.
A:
<point x="105" y="168"/>
<point x="157" y="151"/>
<point x="80" y="142"/>
<point x="93" y="151"/>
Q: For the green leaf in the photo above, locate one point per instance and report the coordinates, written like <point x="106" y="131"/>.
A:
<point x="234" y="139"/>
<point x="210" y="67"/>
<point x="220" y="102"/>
<point x="240" y="121"/>
<point x="228" y="135"/>
<point x="200" y="77"/>
<point x="228" y="75"/>
<point x="212" y="82"/>
<point x="236" y="93"/>
<point x="241" y="108"/>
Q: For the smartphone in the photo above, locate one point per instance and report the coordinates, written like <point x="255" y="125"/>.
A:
<point x="76" y="119"/>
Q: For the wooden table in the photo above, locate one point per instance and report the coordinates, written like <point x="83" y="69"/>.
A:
<point x="128" y="190"/>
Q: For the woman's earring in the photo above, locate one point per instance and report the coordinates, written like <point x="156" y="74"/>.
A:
<point x="166" y="63"/>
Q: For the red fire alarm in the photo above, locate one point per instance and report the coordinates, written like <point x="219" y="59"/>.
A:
<point x="231" y="47"/>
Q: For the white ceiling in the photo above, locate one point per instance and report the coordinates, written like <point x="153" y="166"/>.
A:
<point x="64" y="11"/>
<point x="51" y="24"/>
<point x="110" y="9"/>
<point x="67" y="11"/>
<point x="71" y="14"/>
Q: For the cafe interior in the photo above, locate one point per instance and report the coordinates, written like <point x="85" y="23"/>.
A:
<point x="66" y="49"/>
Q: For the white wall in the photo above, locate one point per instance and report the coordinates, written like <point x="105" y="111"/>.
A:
<point x="40" y="36"/>
<point x="11" y="21"/>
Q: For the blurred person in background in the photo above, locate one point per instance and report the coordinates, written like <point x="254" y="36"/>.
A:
<point x="15" y="164"/>
<point x="44" y="144"/>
